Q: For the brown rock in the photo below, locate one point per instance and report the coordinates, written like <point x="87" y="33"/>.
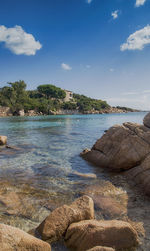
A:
<point x="121" y="147"/>
<point x="3" y="140"/>
<point x="141" y="175"/>
<point x="109" y="200"/>
<point x="88" y="234"/>
<point x="56" y="224"/>
<point x="146" y="120"/>
<point x="12" y="238"/>
<point x="100" y="248"/>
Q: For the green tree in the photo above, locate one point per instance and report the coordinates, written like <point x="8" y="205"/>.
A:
<point x="14" y="96"/>
<point x="51" y="91"/>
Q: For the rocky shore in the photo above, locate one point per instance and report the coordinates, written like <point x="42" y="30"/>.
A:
<point x="6" y="112"/>
<point x="110" y="218"/>
<point x="75" y="224"/>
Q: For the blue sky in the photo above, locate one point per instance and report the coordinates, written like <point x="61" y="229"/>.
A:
<point x="100" y="48"/>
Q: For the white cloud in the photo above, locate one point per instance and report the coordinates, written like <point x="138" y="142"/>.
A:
<point x="66" y="67"/>
<point x="140" y="2"/>
<point x="138" y="40"/>
<point x="18" y="41"/>
<point x="89" y="1"/>
<point x="114" y="14"/>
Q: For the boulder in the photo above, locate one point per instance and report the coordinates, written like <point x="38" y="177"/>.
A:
<point x="87" y="234"/>
<point x="56" y="224"/>
<point x="12" y="238"/>
<point x="122" y="147"/>
<point x="141" y="175"/>
<point x="146" y="120"/>
<point x="3" y="140"/>
<point x="100" y="248"/>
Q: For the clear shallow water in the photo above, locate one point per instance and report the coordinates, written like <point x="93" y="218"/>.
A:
<point x="40" y="175"/>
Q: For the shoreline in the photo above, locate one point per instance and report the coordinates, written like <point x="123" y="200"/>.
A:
<point x="33" y="113"/>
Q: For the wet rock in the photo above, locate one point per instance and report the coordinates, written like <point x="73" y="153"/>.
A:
<point x="56" y="224"/>
<point x="3" y="140"/>
<point x="109" y="200"/>
<point x="12" y="238"/>
<point x="87" y="234"/>
<point x="121" y="147"/>
<point x="16" y="204"/>
<point x="86" y="175"/>
<point x="100" y="248"/>
<point x="146" y="120"/>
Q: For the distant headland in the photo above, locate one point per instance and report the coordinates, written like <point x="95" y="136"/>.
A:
<point x="48" y="99"/>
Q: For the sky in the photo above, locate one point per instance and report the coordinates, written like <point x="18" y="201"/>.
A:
<point x="99" y="48"/>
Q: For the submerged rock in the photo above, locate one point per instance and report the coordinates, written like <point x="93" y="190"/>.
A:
<point x="100" y="248"/>
<point x="3" y="140"/>
<point x="109" y="200"/>
<point x="87" y="234"/>
<point x="55" y="225"/>
<point x="85" y="175"/>
<point x="12" y="238"/>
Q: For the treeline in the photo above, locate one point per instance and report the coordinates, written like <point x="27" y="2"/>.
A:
<point x="44" y="99"/>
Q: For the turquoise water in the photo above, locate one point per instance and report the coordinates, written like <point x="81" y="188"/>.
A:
<point x="41" y="171"/>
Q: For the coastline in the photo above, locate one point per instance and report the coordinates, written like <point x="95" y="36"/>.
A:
<point x="5" y="112"/>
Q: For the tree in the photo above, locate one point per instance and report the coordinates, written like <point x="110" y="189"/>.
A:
<point x="51" y="91"/>
<point x="14" y="96"/>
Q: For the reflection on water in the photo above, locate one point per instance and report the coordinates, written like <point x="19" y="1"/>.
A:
<point x="39" y="175"/>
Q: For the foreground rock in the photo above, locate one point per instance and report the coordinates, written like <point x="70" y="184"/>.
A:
<point x="12" y="238"/>
<point x="100" y="248"/>
<point x="55" y="225"/>
<point x="84" y="235"/>
<point x="3" y="140"/>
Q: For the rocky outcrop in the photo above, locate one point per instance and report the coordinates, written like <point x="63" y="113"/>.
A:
<point x="55" y="225"/>
<point x="12" y="238"/>
<point x="100" y="248"/>
<point x="84" y="235"/>
<point x="5" y="111"/>
<point x="121" y="147"/>
<point x="3" y="140"/>
<point x="125" y="147"/>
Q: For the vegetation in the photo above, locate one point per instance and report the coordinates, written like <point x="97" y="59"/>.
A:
<point x="44" y="99"/>
<point x="127" y="109"/>
<point x="88" y="104"/>
<point x="51" y="91"/>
